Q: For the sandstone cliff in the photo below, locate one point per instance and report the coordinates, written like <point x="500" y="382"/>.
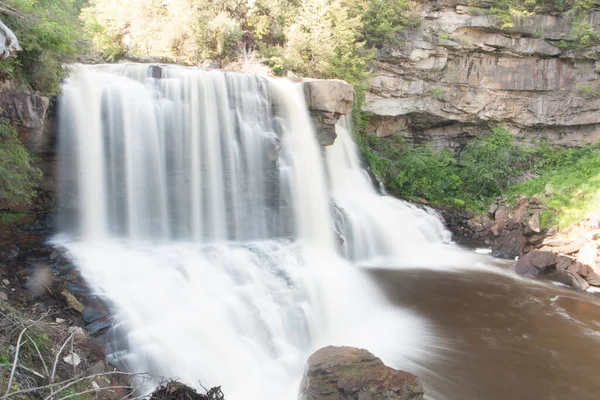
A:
<point x="461" y="73"/>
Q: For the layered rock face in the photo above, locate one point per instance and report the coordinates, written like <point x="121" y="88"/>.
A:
<point x="460" y="74"/>
<point x="348" y="373"/>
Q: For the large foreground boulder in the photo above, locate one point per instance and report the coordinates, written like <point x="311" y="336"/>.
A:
<point x="348" y="373"/>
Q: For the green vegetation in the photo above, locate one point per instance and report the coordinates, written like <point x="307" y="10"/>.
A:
<point x="588" y="90"/>
<point x="317" y="38"/>
<point x="50" y="35"/>
<point x="384" y="19"/>
<point x="568" y="179"/>
<point x="18" y="177"/>
<point x="11" y="218"/>
<point x="569" y="183"/>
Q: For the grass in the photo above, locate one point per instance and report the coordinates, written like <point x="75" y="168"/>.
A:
<point x="568" y="192"/>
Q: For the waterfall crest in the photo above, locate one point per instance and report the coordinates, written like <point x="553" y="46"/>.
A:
<point x="201" y="206"/>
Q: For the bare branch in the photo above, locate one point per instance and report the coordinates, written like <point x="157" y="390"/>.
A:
<point x="14" y="366"/>
<point x="70" y="382"/>
<point x="39" y="354"/>
<point x="56" y="361"/>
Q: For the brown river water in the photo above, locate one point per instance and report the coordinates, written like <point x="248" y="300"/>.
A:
<point x="501" y="338"/>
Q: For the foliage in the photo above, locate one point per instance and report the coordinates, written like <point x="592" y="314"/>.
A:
<point x="485" y="169"/>
<point x="569" y="183"/>
<point x="18" y="177"/>
<point x="491" y="163"/>
<point x="50" y="35"/>
<point x="384" y="19"/>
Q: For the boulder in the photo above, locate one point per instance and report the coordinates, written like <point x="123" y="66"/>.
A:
<point x="535" y="262"/>
<point x="348" y="373"/>
<point x="573" y="280"/>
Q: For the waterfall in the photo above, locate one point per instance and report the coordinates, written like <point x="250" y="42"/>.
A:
<point x="225" y="238"/>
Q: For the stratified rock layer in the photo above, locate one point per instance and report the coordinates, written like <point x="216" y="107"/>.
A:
<point x="461" y="73"/>
<point x="348" y="373"/>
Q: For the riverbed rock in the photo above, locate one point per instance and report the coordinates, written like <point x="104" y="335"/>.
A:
<point x="535" y="262"/>
<point x="348" y="373"/>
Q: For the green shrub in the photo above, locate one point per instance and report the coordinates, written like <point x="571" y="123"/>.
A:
<point x="490" y="164"/>
<point x="18" y="177"/>
<point x="50" y="35"/>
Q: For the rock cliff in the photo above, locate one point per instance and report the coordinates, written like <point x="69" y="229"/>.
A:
<point x="461" y="73"/>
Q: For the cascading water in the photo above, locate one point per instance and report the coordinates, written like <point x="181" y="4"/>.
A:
<point x="200" y="205"/>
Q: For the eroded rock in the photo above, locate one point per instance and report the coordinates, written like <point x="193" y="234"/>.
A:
<point x="348" y="373"/>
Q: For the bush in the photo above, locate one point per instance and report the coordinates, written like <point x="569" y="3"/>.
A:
<point x="489" y="165"/>
<point x="484" y="169"/>
<point x="18" y="177"/>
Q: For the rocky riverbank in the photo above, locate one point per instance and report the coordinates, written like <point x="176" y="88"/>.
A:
<point x="515" y="231"/>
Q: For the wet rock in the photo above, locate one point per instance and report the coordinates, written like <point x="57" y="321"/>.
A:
<point x="348" y="373"/>
<point x="508" y="245"/>
<point x="535" y="262"/>
<point x="72" y="301"/>
<point x="90" y="315"/>
<point x="98" y="326"/>
<point x="573" y="280"/>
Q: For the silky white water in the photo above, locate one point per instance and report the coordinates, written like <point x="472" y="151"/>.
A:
<point x="227" y="241"/>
